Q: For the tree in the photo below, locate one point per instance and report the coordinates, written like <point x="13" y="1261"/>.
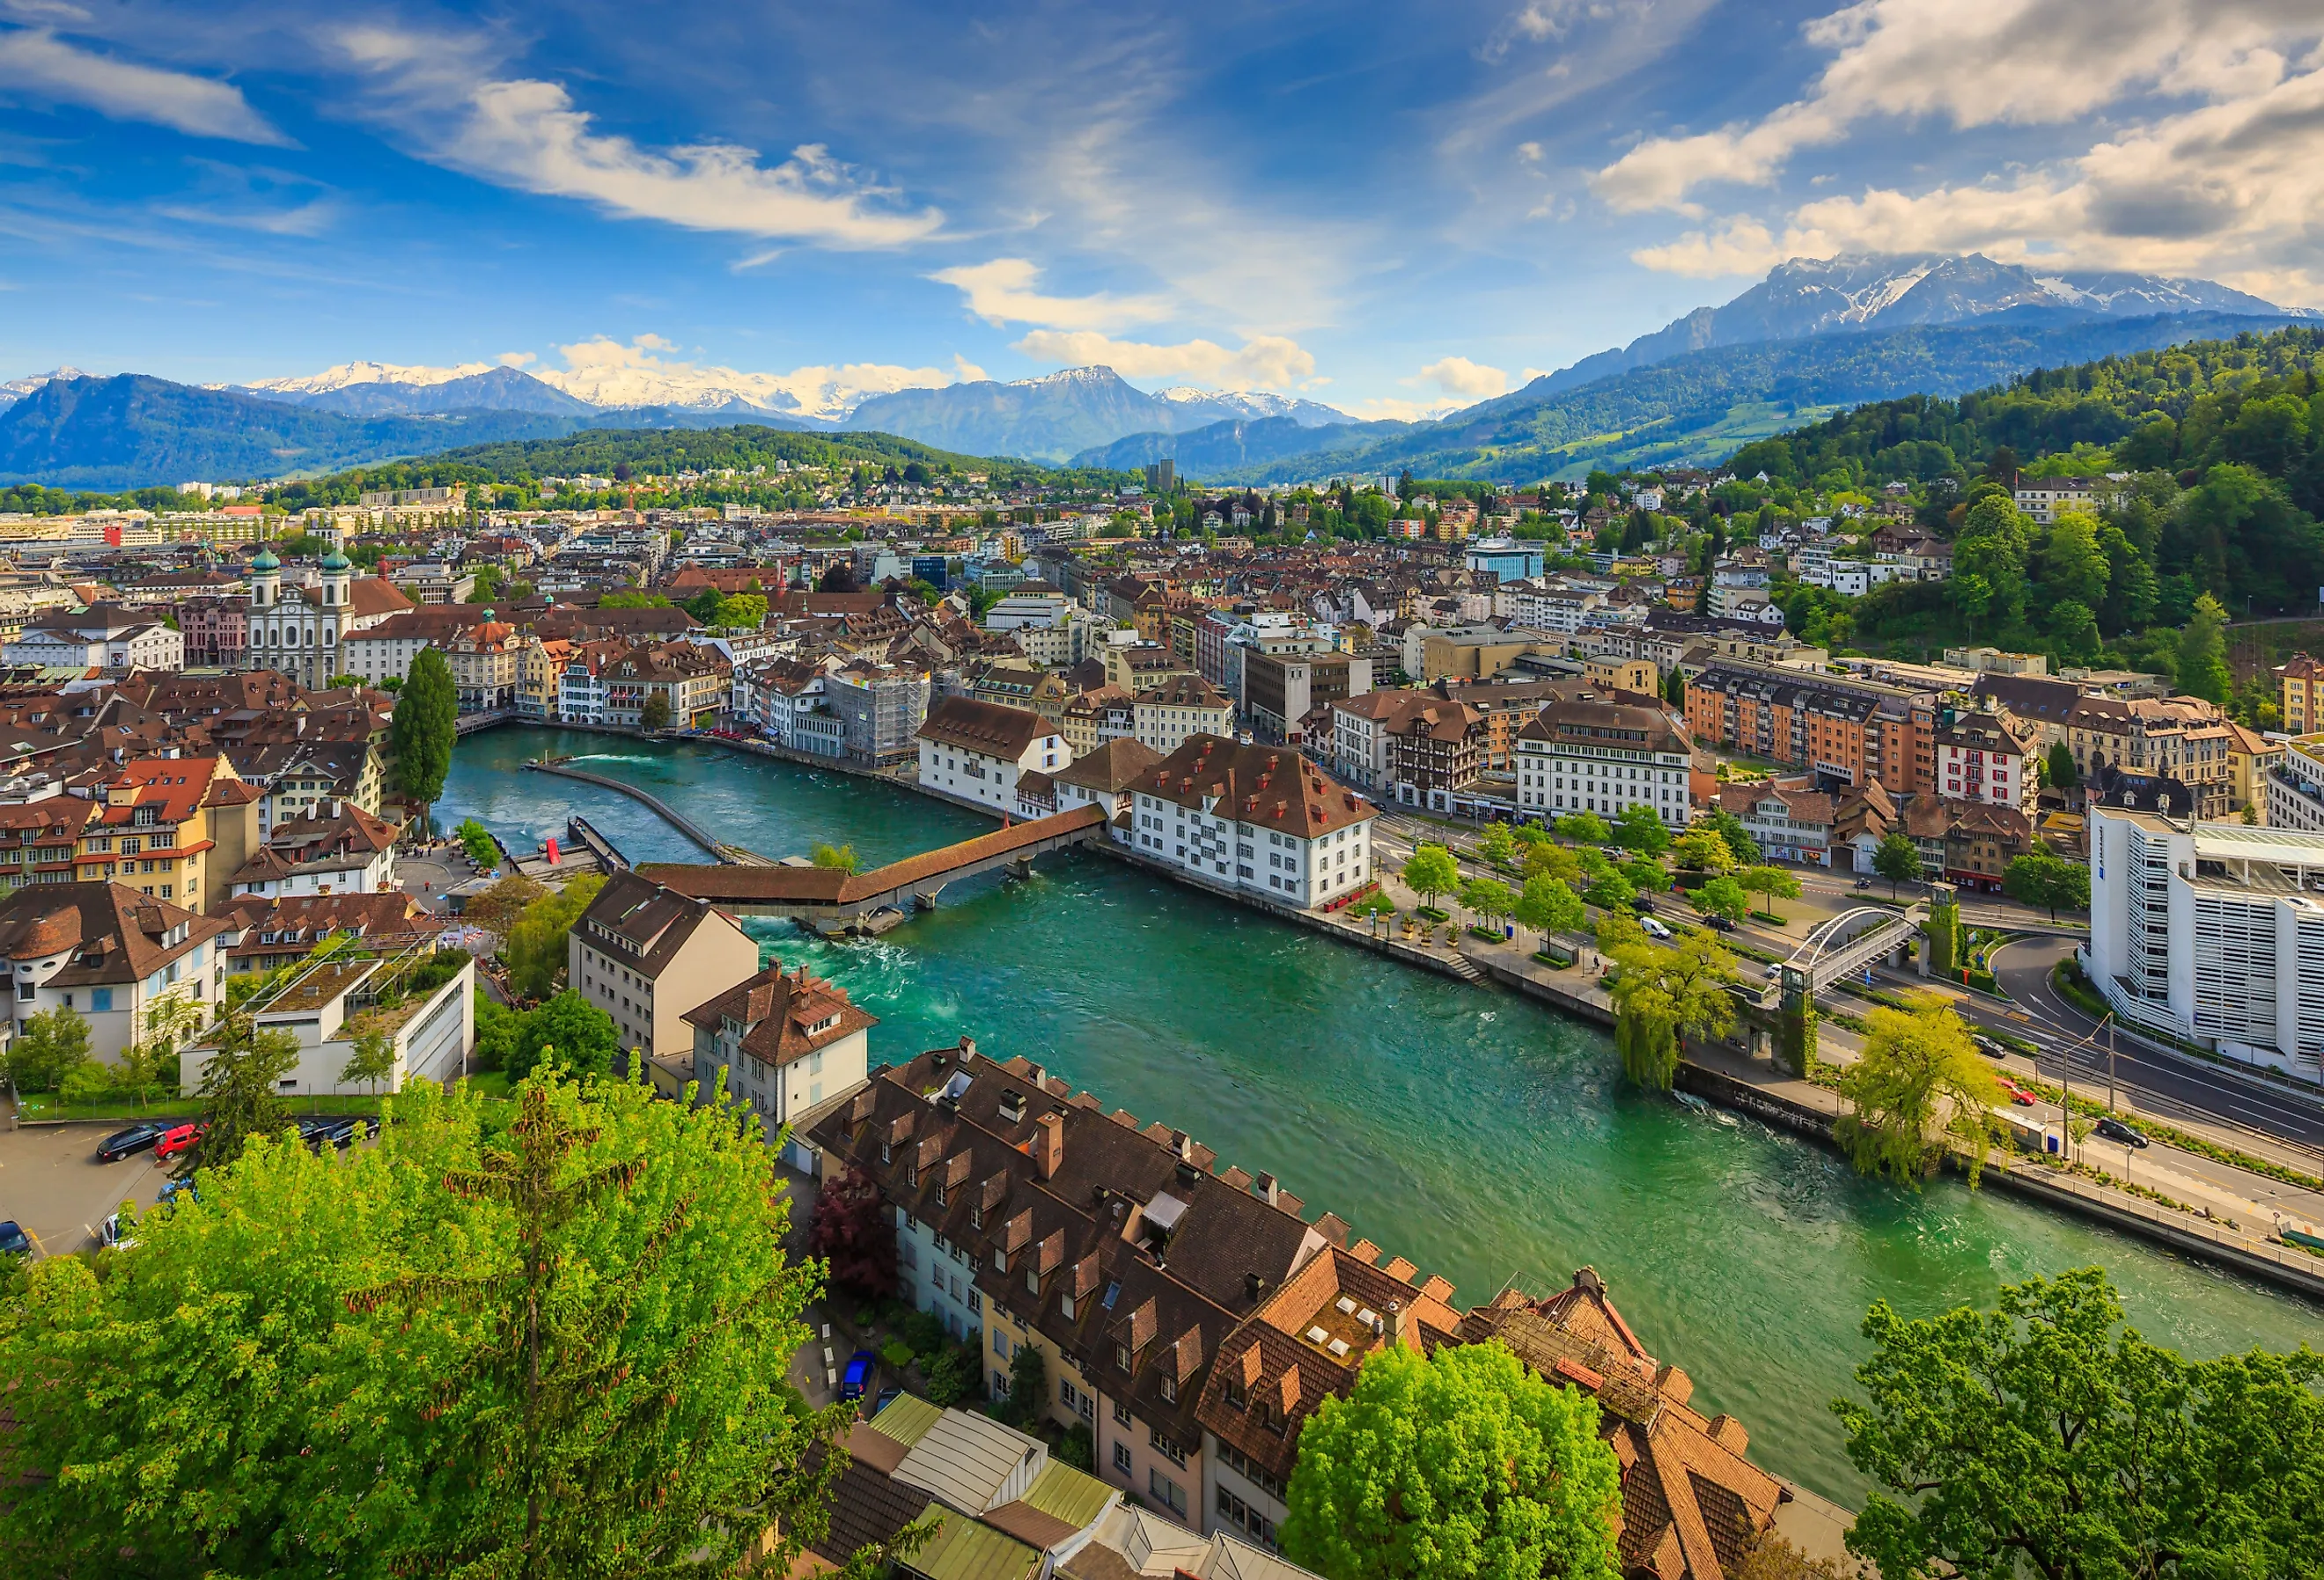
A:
<point x="1584" y="828"/>
<point x="1545" y="859"/>
<point x="241" y="1089"/>
<point x="2203" y="653"/>
<point x="1431" y="872"/>
<point x="1661" y="994"/>
<point x="1774" y="882"/>
<point x="371" y="1062"/>
<point x="1028" y="1388"/>
<point x="1488" y="898"/>
<point x="1702" y="850"/>
<point x="568" y="1031"/>
<point x="833" y="857"/>
<point x="1548" y="905"/>
<point x="2046" y="1437"/>
<point x="1646" y="876"/>
<point x="521" y="1350"/>
<point x="48" y="1048"/>
<point x="497" y="908"/>
<point x="2058" y="770"/>
<point x="1730" y="830"/>
<point x="1722" y="897"/>
<point x="1497" y="845"/>
<point x="477" y="841"/>
<point x="1610" y="891"/>
<point x="2073" y="566"/>
<point x="653" y="714"/>
<point x="2041" y="879"/>
<point x="1897" y="859"/>
<point x="534" y="949"/>
<point x="1639" y="828"/>
<point x="1461" y="1466"/>
<point x="1919" y="1087"/>
<point x="424" y="728"/>
<point x="854" y="1233"/>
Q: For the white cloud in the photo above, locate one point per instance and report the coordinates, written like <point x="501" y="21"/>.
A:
<point x="966" y="372"/>
<point x="2233" y="191"/>
<point x="1387" y="408"/>
<point x="1001" y="292"/>
<point x="2018" y="62"/>
<point x="605" y="373"/>
<point x="1264" y="360"/>
<point x="516" y="358"/>
<point x="1457" y="376"/>
<point x="35" y="61"/>
<point x="526" y="133"/>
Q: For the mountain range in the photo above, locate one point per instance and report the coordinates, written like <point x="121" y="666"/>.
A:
<point x="1813" y="336"/>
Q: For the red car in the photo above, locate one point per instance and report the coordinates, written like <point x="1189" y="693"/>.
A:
<point x="2018" y="1095"/>
<point x="175" y="1140"/>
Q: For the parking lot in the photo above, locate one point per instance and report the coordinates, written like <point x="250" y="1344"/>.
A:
<point x="52" y="1183"/>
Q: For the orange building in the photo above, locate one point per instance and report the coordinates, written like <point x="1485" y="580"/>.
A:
<point x="1851" y="731"/>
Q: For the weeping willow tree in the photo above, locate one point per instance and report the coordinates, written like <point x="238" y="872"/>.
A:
<point x="1663" y="993"/>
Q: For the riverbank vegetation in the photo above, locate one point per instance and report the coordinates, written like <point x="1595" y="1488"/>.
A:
<point x="1919" y="1091"/>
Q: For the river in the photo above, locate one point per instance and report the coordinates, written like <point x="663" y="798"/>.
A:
<point x="1480" y="1135"/>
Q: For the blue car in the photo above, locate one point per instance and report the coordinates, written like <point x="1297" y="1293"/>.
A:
<point x="14" y="1242"/>
<point x="858" y="1375"/>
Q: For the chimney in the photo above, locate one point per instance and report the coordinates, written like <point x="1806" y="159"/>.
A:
<point x="1183" y="1144"/>
<point x="1267" y="1188"/>
<point x="1049" y="1144"/>
<point x="1251" y="1286"/>
<point x="967" y="1048"/>
<point x="1394" y="1323"/>
<point x="1038" y="1075"/>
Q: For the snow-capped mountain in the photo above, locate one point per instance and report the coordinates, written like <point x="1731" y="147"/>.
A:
<point x="1219" y="405"/>
<point x="348" y="374"/>
<point x="1888" y="290"/>
<point x="15" y="390"/>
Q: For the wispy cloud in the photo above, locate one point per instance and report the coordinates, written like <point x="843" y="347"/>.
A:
<point x="1267" y="361"/>
<point x="526" y="133"/>
<point x="1001" y="292"/>
<point x="36" y="63"/>
<point x="1457" y="376"/>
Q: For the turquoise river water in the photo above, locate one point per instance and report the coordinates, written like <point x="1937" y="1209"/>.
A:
<point x="1482" y="1136"/>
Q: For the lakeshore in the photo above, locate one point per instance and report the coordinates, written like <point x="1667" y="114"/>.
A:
<point x="1480" y="1134"/>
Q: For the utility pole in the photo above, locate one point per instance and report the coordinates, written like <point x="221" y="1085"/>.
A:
<point x="2110" y="1037"/>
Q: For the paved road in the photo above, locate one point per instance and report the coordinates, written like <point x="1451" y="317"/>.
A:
<point x="2166" y="1083"/>
<point x="52" y="1183"/>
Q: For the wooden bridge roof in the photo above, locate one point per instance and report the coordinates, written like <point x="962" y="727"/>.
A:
<point x="740" y="886"/>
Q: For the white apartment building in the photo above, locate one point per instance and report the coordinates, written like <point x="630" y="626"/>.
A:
<point x="2043" y="497"/>
<point x="1604" y="757"/>
<point x="976" y="750"/>
<point x="1981" y="759"/>
<point x="2293" y="787"/>
<point x="2212" y="932"/>
<point x="1166" y="716"/>
<point x="1258" y="818"/>
<point x="790" y="1044"/>
<point x="98" y="642"/>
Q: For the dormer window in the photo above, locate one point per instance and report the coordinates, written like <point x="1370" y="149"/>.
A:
<point x="1169" y="1389"/>
<point x="1121" y="1356"/>
<point x="1066" y="1304"/>
<point x="976" y="1214"/>
<point x="887" y="1153"/>
<point x="1032" y="1280"/>
<point x="912" y="1173"/>
<point x="1235" y="1394"/>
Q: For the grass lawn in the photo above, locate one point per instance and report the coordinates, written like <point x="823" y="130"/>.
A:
<point x="490" y="1083"/>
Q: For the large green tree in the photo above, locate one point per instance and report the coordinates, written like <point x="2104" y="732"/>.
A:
<point x="1431" y="872"/>
<point x="241" y="1088"/>
<point x="1664" y="993"/>
<point x="1919" y="1089"/>
<point x="553" y="1347"/>
<point x="536" y="946"/>
<point x="1548" y="905"/>
<point x="48" y="1048"/>
<point x="425" y="725"/>
<point x="1640" y="829"/>
<point x="2041" y="879"/>
<point x="2203" y="652"/>
<point x="1897" y="859"/>
<point x="1461" y="1466"/>
<point x="2046" y="1438"/>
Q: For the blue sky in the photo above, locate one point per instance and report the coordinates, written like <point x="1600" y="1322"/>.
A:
<point x="1388" y="206"/>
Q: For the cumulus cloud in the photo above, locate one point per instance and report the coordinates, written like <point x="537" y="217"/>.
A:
<point x="1457" y="376"/>
<point x="2019" y="62"/>
<point x="36" y="63"/>
<point x="526" y="133"/>
<point x="1388" y="407"/>
<point x="1264" y="360"/>
<point x="605" y="372"/>
<point x="1002" y="292"/>
<point x="2230" y="190"/>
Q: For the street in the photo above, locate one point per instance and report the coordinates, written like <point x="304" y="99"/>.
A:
<point x="2167" y="1085"/>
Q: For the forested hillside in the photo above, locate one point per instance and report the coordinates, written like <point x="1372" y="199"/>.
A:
<point x="2216" y="456"/>
<point x="1693" y="409"/>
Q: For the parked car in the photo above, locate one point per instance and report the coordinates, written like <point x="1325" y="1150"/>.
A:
<point x="177" y="1138"/>
<point x="1989" y="1047"/>
<point x="2114" y="1129"/>
<point x="857" y="1378"/>
<point x="109" y="1234"/>
<point x="14" y="1240"/>
<point x="171" y="1189"/>
<point x="1643" y="906"/>
<point x="123" y="1143"/>
<point x="1653" y="929"/>
<point x="2017" y="1093"/>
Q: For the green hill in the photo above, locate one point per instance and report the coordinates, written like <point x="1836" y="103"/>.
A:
<point x="1694" y="409"/>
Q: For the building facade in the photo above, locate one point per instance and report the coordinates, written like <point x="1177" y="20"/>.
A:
<point x="1604" y="757"/>
<point x="1258" y="818"/>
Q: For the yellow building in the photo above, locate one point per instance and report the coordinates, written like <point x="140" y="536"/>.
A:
<point x="177" y="828"/>
<point x="1638" y="675"/>
<point x="2299" y="694"/>
<point x="2250" y="756"/>
<point x="539" y="666"/>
